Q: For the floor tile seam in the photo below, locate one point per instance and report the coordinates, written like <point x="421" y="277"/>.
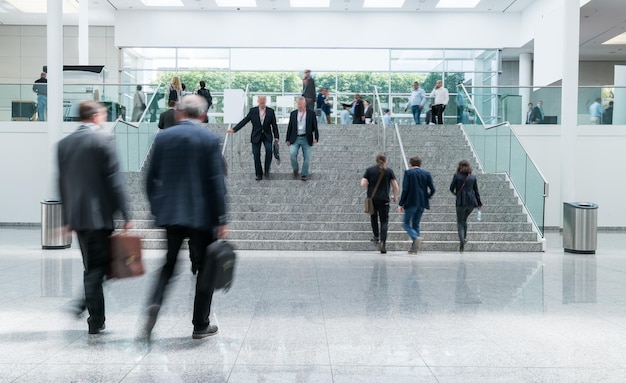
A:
<point x="319" y="291"/>
<point x="254" y="315"/>
<point x="33" y="367"/>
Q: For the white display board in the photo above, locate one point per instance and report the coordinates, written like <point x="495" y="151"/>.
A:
<point x="233" y="105"/>
<point x="285" y="101"/>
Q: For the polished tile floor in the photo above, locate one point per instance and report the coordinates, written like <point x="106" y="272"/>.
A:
<point x="328" y="317"/>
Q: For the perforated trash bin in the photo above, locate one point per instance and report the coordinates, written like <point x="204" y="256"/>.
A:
<point x="580" y="227"/>
<point x="53" y="235"/>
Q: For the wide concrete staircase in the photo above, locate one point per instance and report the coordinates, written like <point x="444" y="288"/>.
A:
<point x="326" y="212"/>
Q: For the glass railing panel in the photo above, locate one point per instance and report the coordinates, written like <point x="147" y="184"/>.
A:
<point x="517" y="170"/>
<point x="503" y="149"/>
<point x="535" y="200"/>
<point x="591" y="112"/>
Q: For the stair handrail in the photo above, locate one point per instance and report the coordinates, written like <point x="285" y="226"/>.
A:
<point x="383" y="124"/>
<point x="481" y="162"/>
<point x="402" y="152"/>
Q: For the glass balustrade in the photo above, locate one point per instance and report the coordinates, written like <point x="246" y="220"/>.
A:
<point x="498" y="150"/>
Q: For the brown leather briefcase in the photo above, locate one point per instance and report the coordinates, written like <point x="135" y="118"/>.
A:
<point x="125" y="261"/>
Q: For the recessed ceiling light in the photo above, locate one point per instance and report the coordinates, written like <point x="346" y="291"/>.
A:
<point x="163" y="3"/>
<point x="383" y="3"/>
<point x="309" y="3"/>
<point x="236" y="3"/>
<point x="41" y="6"/>
<point x="617" y="40"/>
<point x="458" y="3"/>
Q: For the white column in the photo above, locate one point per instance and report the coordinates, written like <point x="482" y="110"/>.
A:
<point x="83" y="33"/>
<point x="569" y="103"/>
<point x="55" y="89"/>
<point x="619" y="97"/>
<point x="525" y="79"/>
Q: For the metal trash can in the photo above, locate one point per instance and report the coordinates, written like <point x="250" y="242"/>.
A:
<point x="53" y="235"/>
<point x="580" y="227"/>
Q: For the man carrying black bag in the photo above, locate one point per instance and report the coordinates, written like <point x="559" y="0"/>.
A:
<point x="186" y="188"/>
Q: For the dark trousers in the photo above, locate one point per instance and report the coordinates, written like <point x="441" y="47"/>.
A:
<point x="437" y="114"/>
<point x="462" y="213"/>
<point x="256" y="153"/>
<point x="95" y="247"/>
<point x="200" y="240"/>
<point x="381" y="211"/>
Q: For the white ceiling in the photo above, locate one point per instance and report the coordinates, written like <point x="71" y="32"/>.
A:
<point x="600" y="19"/>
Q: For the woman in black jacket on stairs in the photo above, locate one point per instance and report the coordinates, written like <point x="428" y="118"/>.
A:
<point x="465" y="186"/>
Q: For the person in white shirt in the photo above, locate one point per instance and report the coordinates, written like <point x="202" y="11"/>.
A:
<point x="346" y="118"/>
<point x="595" y="112"/>
<point x="441" y="96"/>
<point x="416" y="102"/>
<point x="387" y="117"/>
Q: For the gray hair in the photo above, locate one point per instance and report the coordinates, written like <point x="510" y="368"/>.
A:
<point x="301" y="98"/>
<point x="193" y="106"/>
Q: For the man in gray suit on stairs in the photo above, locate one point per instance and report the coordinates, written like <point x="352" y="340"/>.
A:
<point x="91" y="188"/>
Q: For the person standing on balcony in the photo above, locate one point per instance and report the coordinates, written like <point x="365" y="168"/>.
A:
<point x="368" y="112"/>
<point x="187" y="193"/>
<point x="442" y="97"/>
<point x="264" y="131"/>
<point x="461" y="105"/>
<point x="607" y="115"/>
<point x="308" y="89"/>
<point x="537" y="115"/>
<point x="417" y="189"/>
<point x="465" y="187"/>
<point x="92" y="191"/>
<point x="41" y="89"/>
<point x="302" y="133"/>
<point x="204" y="92"/>
<point x="139" y="104"/>
<point x="416" y="102"/>
<point x="529" y="114"/>
<point x="358" y="109"/>
<point x="387" y="117"/>
<point x="595" y="112"/>
<point x="323" y="105"/>
<point x="378" y="178"/>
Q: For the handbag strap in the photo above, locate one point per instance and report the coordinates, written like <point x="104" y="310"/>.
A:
<point x="380" y="178"/>
<point x="462" y="186"/>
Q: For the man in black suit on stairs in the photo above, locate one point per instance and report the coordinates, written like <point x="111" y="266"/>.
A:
<point x="264" y="131"/>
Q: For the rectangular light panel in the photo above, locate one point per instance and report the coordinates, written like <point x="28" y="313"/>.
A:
<point x="617" y="40"/>
<point x="309" y="3"/>
<point x="383" y="3"/>
<point x="458" y="3"/>
<point x="41" y="6"/>
<point x="236" y="3"/>
<point x="163" y="3"/>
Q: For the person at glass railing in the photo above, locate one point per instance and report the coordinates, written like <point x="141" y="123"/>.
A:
<point x="174" y="90"/>
<point x="416" y="102"/>
<point x="308" y="89"/>
<point x="204" y="92"/>
<point x="357" y="109"/>
<point x="417" y="190"/>
<point x="346" y="117"/>
<point x="461" y="105"/>
<point x="595" y="112"/>
<point x="368" y="112"/>
<point x="607" y="115"/>
<point x="465" y="187"/>
<point x="323" y="105"/>
<point x="377" y="180"/>
<point x="387" y="117"/>
<point x="139" y="103"/>
<point x="41" y="89"/>
<point x="529" y="114"/>
<point x="264" y="131"/>
<point x="442" y="97"/>
<point x="167" y="119"/>
<point x="537" y="114"/>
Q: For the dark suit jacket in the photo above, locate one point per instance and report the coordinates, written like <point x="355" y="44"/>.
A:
<point x="167" y="119"/>
<point x="311" y="127"/>
<point x="359" y="112"/>
<point x="465" y="195"/>
<point x="185" y="180"/>
<point x="417" y="189"/>
<point x="90" y="183"/>
<point x="260" y="132"/>
<point x="535" y="116"/>
<point x="308" y="90"/>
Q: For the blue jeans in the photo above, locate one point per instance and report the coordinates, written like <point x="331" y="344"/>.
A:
<point x="301" y="142"/>
<point x="412" y="218"/>
<point x="42" y="105"/>
<point x="416" y="110"/>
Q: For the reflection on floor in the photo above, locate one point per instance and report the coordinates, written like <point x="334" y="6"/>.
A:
<point x="328" y="317"/>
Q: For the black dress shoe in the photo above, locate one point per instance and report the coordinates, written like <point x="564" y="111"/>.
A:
<point x="383" y="249"/>
<point x="259" y="178"/>
<point x="374" y="239"/>
<point x="295" y="175"/>
<point x="267" y="175"/>
<point x="96" y="329"/>
<point x="200" y="334"/>
<point x="304" y="178"/>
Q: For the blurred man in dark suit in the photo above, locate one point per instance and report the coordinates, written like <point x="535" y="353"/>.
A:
<point x="91" y="188"/>
<point x="264" y="131"/>
<point x="308" y="89"/>
<point x="186" y="189"/>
